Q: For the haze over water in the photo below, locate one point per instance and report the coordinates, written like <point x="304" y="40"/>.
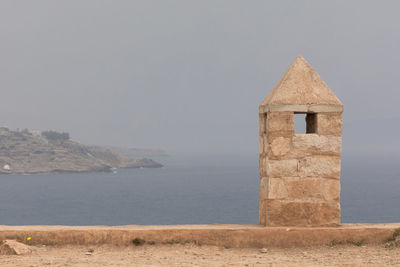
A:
<point x="187" y="77"/>
<point x="188" y="190"/>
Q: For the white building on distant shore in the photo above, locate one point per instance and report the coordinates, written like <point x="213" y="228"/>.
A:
<point x="34" y="132"/>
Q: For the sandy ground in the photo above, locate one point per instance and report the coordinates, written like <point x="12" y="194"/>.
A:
<point x="193" y="255"/>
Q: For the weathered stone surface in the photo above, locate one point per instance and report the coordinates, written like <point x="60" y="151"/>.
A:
<point x="332" y="190"/>
<point x="262" y="121"/>
<point x="329" y="124"/>
<point x="305" y="188"/>
<point x="276" y="188"/>
<point x="282" y="168"/>
<point x="233" y="235"/>
<point x="264" y="188"/>
<point x="284" y="213"/>
<point x="262" y="209"/>
<point x="300" y="173"/>
<point x="320" y="166"/>
<point x="280" y="146"/>
<point x="265" y="142"/>
<point x="280" y="108"/>
<point x="318" y="142"/>
<point x="301" y="85"/>
<point x="272" y="135"/>
<point x="263" y="166"/>
<point x="280" y="121"/>
<point x="315" y="108"/>
<point x="12" y="247"/>
<point x="324" y="108"/>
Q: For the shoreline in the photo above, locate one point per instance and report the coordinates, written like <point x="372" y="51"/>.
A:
<point x="106" y="170"/>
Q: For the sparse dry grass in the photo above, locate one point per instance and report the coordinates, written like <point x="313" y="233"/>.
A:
<point x="193" y="255"/>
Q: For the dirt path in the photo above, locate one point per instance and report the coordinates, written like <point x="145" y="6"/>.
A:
<point x="192" y="255"/>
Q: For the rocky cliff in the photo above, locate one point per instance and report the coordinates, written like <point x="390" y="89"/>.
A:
<point x="24" y="152"/>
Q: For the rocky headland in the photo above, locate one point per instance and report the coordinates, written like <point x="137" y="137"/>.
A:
<point x="29" y="152"/>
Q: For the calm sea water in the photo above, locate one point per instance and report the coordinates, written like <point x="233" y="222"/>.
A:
<point x="188" y="190"/>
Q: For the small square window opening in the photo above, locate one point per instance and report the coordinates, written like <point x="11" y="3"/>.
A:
<point x="305" y="123"/>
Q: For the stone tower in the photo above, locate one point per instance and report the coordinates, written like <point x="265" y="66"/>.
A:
<point x="300" y="173"/>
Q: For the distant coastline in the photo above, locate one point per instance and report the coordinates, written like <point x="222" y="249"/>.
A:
<point x="53" y="152"/>
<point x="138" y="152"/>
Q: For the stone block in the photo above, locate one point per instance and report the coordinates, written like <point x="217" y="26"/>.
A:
<point x="325" y="108"/>
<point x="13" y="247"/>
<point x="280" y="146"/>
<point x="305" y="108"/>
<point x="262" y="211"/>
<point x="272" y="135"/>
<point x="263" y="166"/>
<point x="329" y="124"/>
<point x="265" y="142"/>
<point x="261" y="146"/>
<point x="276" y="189"/>
<point x="264" y="188"/>
<point x="283" y="107"/>
<point x="262" y="123"/>
<point x="282" y="168"/>
<point x="280" y="121"/>
<point x="272" y="188"/>
<point x="316" y="142"/>
<point x="319" y="166"/>
<point x="331" y="190"/>
<point x="305" y="188"/>
<point x="283" y="213"/>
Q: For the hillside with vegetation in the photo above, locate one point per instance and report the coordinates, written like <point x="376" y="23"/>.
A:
<point x="31" y="152"/>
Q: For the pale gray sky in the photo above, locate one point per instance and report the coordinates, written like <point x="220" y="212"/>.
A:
<point x="188" y="76"/>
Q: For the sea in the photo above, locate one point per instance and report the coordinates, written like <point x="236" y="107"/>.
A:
<point x="187" y="190"/>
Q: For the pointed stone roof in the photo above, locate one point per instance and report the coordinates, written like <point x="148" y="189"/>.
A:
<point x="301" y="89"/>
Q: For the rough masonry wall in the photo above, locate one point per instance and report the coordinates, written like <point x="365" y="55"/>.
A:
<point x="300" y="173"/>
